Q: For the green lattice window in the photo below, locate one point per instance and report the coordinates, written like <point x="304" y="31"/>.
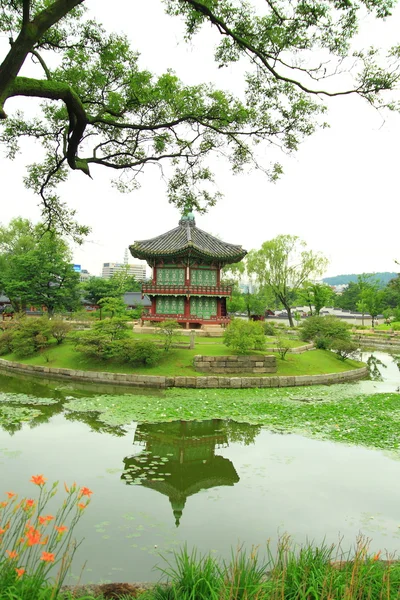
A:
<point x="170" y="276"/>
<point x="170" y="305"/>
<point x="203" y="307"/>
<point x="203" y="277"/>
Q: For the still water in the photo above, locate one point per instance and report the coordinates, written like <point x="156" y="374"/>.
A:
<point x="212" y="484"/>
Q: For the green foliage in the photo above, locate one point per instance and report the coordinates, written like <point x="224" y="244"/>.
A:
<point x="316" y="296"/>
<point x="30" y="336"/>
<point x="344" y="348"/>
<point x="242" y="336"/>
<point x="169" y="330"/>
<point x="141" y="352"/>
<point x="59" y="329"/>
<point x="6" y="337"/>
<point x="115" y="328"/>
<point x="324" y="330"/>
<point x="269" y="328"/>
<point x="95" y="91"/>
<point x="36" y="269"/>
<point x="283" y="265"/>
<point x="114" y="306"/>
<point x="282" y="347"/>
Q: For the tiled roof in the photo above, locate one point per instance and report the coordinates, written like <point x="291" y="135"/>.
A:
<point x="187" y="240"/>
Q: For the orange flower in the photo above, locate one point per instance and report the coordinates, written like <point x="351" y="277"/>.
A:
<point x="10" y="494"/>
<point x="49" y="517"/>
<point x="33" y="536"/>
<point x="42" y="520"/>
<point x="61" y="528"/>
<point x="81" y="506"/>
<point x="66" y="488"/>
<point x="377" y="556"/>
<point x="44" y="541"/>
<point x="47" y="557"/>
<point x="2" y="531"/>
<point x="38" y="479"/>
<point x="29" y="504"/>
<point x="11" y="553"/>
<point x="3" y="503"/>
<point x="20" y="572"/>
<point x="85" y="492"/>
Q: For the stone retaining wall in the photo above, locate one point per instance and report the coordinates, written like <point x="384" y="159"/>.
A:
<point x="235" y="364"/>
<point x="161" y="382"/>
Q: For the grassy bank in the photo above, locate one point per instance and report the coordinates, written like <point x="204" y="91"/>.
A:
<point x="290" y="573"/>
<point x="179" y="361"/>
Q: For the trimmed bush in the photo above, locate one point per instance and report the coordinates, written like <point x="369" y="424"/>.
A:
<point x="30" y="336"/>
<point x="243" y="336"/>
<point x="144" y="352"/>
<point x="324" y="330"/>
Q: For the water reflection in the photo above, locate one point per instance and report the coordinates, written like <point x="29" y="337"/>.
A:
<point x="375" y="367"/>
<point x="179" y="460"/>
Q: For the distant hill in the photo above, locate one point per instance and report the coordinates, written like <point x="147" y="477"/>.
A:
<point x="384" y="278"/>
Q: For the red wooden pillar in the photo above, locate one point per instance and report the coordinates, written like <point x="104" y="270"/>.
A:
<point x="187" y="307"/>
<point x="154" y="274"/>
<point x="153" y="309"/>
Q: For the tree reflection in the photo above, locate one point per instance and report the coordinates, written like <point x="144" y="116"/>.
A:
<point x="374" y="366"/>
<point x="178" y="459"/>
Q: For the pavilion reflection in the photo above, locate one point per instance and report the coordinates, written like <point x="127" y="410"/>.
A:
<point x="179" y="460"/>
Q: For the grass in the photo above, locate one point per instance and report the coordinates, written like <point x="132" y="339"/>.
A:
<point x="307" y="572"/>
<point x="180" y="361"/>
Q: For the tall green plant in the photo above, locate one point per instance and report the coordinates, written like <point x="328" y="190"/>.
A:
<point x="33" y="542"/>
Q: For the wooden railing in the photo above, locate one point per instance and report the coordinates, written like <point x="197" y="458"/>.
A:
<point x="185" y="319"/>
<point x="167" y="289"/>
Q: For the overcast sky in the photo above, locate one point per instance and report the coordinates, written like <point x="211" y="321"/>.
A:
<point x="339" y="192"/>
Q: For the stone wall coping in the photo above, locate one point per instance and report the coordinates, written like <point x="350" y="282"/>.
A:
<point x="162" y="382"/>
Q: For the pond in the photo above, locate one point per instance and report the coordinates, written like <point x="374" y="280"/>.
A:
<point x="211" y="484"/>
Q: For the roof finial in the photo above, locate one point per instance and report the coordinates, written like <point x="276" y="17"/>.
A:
<point x="187" y="217"/>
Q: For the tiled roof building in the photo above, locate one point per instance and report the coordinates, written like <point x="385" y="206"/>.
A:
<point x="186" y="263"/>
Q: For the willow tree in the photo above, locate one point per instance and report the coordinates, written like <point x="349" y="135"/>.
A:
<point x="100" y="108"/>
<point x="284" y="265"/>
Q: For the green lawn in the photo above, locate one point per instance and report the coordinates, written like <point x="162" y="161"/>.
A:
<point x="180" y="361"/>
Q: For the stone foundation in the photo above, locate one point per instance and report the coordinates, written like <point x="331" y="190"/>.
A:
<point x="161" y="382"/>
<point x="235" y="364"/>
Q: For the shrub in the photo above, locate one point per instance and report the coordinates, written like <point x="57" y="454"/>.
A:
<point x="144" y="352"/>
<point x="59" y="329"/>
<point x="269" y="329"/>
<point x="115" y="328"/>
<point x="395" y="326"/>
<point x="33" y="544"/>
<point x="344" y="348"/>
<point x="242" y="336"/>
<point x="323" y="330"/>
<point x="6" y="342"/>
<point x="30" y="336"/>
<point x="93" y="345"/>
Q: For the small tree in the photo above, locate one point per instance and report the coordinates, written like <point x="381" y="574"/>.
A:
<point x="59" y="329"/>
<point x="344" y="348"/>
<point x="282" y="347"/>
<point x="169" y="331"/>
<point x="116" y="307"/>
